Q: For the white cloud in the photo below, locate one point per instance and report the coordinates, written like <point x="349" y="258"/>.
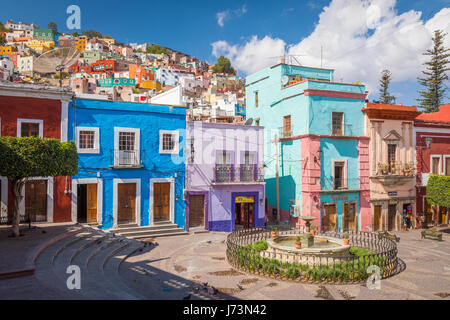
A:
<point x="229" y="14"/>
<point x="359" y="38"/>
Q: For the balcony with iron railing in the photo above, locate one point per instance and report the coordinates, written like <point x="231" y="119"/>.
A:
<point x="345" y="130"/>
<point x="394" y="173"/>
<point x="126" y="159"/>
<point x="339" y="184"/>
<point x="246" y="173"/>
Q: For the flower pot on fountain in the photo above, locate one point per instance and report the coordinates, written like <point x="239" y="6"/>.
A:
<point x="308" y="238"/>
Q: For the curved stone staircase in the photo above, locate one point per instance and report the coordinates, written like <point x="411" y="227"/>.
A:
<point x="98" y="255"/>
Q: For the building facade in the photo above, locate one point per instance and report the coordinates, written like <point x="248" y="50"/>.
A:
<point x="392" y="164"/>
<point x="30" y="110"/>
<point x="314" y="131"/>
<point x="131" y="163"/>
<point x="225" y="180"/>
<point x="432" y="137"/>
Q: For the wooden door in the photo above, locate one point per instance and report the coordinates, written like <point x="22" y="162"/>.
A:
<point x="126" y="193"/>
<point x="91" y="206"/>
<point x="196" y="210"/>
<point x="161" y="200"/>
<point x="377" y="218"/>
<point x="36" y="200"/>
<point x="392" y="212"/>
<point x="349" y="217"/>
<point x="329" y="218"/>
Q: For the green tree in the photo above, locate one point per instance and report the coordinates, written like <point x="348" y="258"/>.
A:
<point x="92" y="34"/>
<point x="223" y="65"/>
<point x="435" y="74"/>
<point x="52" y="26"/>
<point x="75" y="34"/>
<point x="107" y="37"/>
<point x="2" y="41"/>
<point x="157" y="49"/>
<point x="27" y="157"/>
<point x="385" y="97"/>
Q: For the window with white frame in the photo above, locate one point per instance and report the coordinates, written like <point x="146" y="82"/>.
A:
<point x="88" y="140"/>
<point x="30" y="128"/>
<point x="168" y="142"/>
<point x="447" y="165"/>
<point x="435" y="164"/>
<point x="126" y="146"/>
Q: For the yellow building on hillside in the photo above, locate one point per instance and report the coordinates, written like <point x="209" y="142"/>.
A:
<point x="109" y="41"/>
<point x="80" y="44"/>
<point x="5" y="51"/>
<point x="150" y="84"/>
<point x="40" y="45"/>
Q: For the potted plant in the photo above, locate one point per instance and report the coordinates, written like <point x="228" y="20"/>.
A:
<point x="313" y="230"/>
<point x="385" y="169"/>
<point x="346" y="237"/>
<point x="274" y="232"/>
<point x="298" y="242"/>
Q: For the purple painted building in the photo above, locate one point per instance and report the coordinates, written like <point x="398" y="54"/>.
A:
<point x="224" y="176"/>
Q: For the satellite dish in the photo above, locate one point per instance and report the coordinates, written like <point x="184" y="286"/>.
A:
<point x="284" y="80"/>
<point x="56" y="60"/>
<point x="249" y="122"/>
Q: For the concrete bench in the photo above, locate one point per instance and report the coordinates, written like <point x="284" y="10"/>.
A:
<point x="432" y="233"/>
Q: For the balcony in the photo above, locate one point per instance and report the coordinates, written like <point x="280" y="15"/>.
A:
<point x="394" y="174"/>
<point x="345" y="130"/>
<point x="339" y="184"/>
<point x="126" y="159"/>
<point x="240" y="174"/>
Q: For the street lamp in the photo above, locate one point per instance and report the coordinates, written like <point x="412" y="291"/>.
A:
<point x="428" y="141"/>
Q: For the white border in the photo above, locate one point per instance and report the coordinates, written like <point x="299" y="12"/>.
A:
<point x="4" y="197"/>
<point x="19" y="126"/>
<point x="345" y="186"/>
<point x="49" y="197"/>
<point x="99" y="183"/>
<point x="96" y="131"/>
<point x="138" y="198"/>
<point x="440" y="163"/>
<point x="137" y="145"/>
<point x="176" y="147"/>
<point x="171" y="201"/>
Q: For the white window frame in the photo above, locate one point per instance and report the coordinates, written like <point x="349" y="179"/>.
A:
<point x="443" y="162"/>
<point x="176" y="147"/>
<point x="21" y="120"/>
<point x="96" y="148"/>
<point x="344" y="173"/>
<point x="170" y="180"/>
<point x="99" y="183"/>
<point x="440" y="172"/>
<point x="116" y="183"/>
<point x="137" y="146"/>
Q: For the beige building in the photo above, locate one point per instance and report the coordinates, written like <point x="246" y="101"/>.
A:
<point x="392" y="168"/>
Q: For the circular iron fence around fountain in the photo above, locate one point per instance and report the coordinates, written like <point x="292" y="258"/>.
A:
<point x="382" y="258"/>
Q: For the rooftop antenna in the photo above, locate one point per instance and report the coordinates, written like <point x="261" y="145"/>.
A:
<point x="56" y="60"/>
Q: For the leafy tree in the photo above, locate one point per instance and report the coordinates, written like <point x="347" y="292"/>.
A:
<point x="75" y="34"/>
<point x="92" y="34"/>
<point x="107" y="37"/>
<point x="385" y="80"/>
<point x="435" y="74"/>
<point x="52" y="26"/>
<point x="438" y="190"/>
<point x="223" y="65"/>
<point x="34" y="157"/>
<point x="2" y="41"/>
<point x="157" y="49"/>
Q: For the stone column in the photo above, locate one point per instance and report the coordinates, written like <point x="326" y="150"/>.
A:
<point x="373" y="149"/>
<point x="403" y="149"/>
<point x="379" y="154"/>
<point x="410" y="146"/>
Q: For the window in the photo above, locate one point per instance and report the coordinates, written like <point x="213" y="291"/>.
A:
<point x="126" y="146"/>
<point x="337" y="123"/>
<point x="447" y="165"/>
<point x="87" y="140"/>
<point x="224" y="158"/>
<point x="256" y="99"/>
<point x="435" y="164"/>
<point x="257" y="121"/>
<point x="30" y="128"/>
<point x="392" y="148"/>
<point x="287" y="130"/>
<point x="339" y="174"/>
<point x="169" y="142"/>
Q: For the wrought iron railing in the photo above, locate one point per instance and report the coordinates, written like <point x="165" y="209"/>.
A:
<point x="243" y="173"/>
<point x="339" y="183"/>
<point x="396" y="169"/>
<point x="127" y="158"/>
<point x="344" y="130"/>
<point x="380" y="252"/>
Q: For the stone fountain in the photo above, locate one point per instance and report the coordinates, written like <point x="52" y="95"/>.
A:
<point x="308" y="238"/>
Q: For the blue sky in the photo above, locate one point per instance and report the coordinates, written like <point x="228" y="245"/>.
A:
<point x="193" y="26"/>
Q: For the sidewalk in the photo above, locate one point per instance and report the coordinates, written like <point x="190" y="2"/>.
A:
<point x="16" y="253"/>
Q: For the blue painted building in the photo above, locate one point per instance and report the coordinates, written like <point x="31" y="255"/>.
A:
<point x="131" y="163"/>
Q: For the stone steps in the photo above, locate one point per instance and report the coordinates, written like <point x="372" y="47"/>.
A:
<point x="159" y="229"/>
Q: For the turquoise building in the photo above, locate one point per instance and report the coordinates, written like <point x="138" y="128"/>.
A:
<point x="315" y="129"/>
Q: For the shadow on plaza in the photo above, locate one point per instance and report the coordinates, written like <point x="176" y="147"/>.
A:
<point x="156" y="284"/>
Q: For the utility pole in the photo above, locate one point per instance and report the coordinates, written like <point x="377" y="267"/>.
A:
<point x="277" y="175"/>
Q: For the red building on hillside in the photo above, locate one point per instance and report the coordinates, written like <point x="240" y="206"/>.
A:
<point x="432" y="134"/>
<point x="31" y="110"/>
